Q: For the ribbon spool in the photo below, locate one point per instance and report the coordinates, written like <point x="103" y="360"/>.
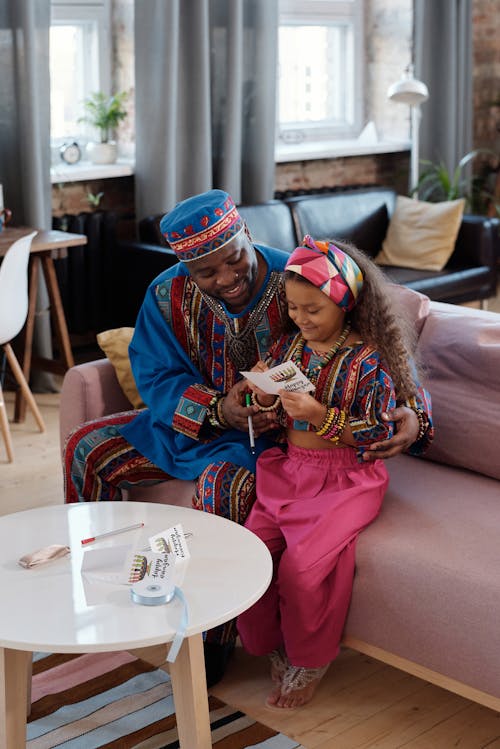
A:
<point x="150" y="593"/>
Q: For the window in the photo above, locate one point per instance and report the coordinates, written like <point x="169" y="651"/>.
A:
<point x="80" y="61"/>
<point x="319" y="70"/>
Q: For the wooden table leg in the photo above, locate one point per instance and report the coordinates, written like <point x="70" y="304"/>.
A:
<point x="20" y="407"/>
<point x="29" y="683"/>
<point x="189" y="688"/>
<point x="14" y="666"/>
<point x="57" y="314"/>
<point x="58" y="319"/>
<point x="156" y="655"/>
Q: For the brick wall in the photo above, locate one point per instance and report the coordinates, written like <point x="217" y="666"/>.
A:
<point x="486" y="40"/>
<point x="486" y="93"/>
<point x="383" y="169"/>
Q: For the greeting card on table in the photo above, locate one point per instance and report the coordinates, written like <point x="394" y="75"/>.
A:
<point x="285" y="376"/>
<point x="165" y="561"/>
<point x="173" y="541"/>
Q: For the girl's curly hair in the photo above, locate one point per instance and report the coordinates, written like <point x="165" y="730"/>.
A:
<point x="379" y="324"/>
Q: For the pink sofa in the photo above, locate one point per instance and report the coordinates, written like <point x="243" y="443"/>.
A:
<point x="426" y="596"/>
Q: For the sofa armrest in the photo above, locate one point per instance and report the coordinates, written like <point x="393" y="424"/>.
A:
<point x="166" y="254"/>
<point x="89" y="391"/>
<point x="476" y="243"/>
<point x="136" y="265"/>
<point x="149" y="232"/>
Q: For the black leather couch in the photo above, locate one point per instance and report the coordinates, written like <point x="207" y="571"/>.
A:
<point x="360" y="215"/>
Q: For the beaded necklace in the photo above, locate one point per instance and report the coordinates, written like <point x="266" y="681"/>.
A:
<point x="241" y="343"/>
<point x="313" y="374"/>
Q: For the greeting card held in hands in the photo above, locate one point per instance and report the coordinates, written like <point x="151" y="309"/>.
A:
<point x="285" y="376"/>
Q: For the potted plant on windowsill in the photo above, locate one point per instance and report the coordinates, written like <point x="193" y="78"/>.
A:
<point x="104" y="113"/>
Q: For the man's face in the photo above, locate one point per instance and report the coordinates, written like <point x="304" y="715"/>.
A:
<point x="229" y="274"/>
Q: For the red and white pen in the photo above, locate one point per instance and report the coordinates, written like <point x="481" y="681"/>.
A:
<point x="111" y="533"/>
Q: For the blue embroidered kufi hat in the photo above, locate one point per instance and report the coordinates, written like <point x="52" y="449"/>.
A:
<point x="202" y="224"/>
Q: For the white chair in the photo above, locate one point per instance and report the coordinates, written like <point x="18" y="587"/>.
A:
<point x="13" y="313"/>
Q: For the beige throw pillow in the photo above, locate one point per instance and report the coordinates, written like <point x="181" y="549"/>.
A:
<point x="115" y="344"/>
<point x="421" y="235"/>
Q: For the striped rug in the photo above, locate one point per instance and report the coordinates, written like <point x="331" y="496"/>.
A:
<point x="117" y="701"/>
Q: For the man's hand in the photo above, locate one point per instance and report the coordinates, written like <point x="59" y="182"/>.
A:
<point x="406" y="433"/>
<point x="236" y="414"/>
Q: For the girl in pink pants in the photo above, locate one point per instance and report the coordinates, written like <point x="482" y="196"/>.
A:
<point x="316" y="494"/>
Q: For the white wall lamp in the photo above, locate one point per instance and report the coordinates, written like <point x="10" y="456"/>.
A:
<point x="408" y="90"/>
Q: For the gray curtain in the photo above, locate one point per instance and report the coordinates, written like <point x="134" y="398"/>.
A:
<point x="443" y="60"/>
<point x="25" y="103"/>
<point x="205" y="81"/>
<point x="25" y="132"/>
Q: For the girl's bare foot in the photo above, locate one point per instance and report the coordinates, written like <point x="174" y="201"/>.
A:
<point x="279" y="665"/>
<point x="273" y="696"/>
<point x="297" y="688"/>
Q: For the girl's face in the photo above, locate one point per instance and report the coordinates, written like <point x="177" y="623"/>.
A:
<point x="318" y="317"/>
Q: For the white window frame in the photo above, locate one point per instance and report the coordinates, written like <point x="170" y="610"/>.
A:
<point x="319" y="12"/>
<point x="98" y="47"/>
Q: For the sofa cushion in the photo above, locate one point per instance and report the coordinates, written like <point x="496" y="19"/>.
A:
<point x="426" y="584"/>
<point x="421" y="235"/>
<point x="368" y="231"/>
<point x="271" y="224"/>
<point x="460" y="349"/>
<point x="359" y="215"/>
<point x="115" y="345"/>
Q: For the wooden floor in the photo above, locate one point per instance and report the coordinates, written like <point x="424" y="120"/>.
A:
<point x="361" y="703"/>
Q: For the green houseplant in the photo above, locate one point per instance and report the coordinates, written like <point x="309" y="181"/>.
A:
<point x="104" y="113"/>
<point x="437" y="183"/>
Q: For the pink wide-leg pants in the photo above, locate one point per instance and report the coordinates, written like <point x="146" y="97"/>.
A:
<point x="311" y="506"/>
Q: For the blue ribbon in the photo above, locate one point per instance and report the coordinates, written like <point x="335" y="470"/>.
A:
<point x="160" y="599"/>
<point x="181" y="629"/>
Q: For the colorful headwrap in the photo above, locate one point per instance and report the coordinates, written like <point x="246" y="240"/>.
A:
<point x="328" y="268"/>
<point x="202" y="224"/>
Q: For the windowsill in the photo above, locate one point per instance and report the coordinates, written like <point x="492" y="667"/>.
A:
<point x="124" y="167"/>
<point x="335" y="149"/>
<point x="85" y="170"/>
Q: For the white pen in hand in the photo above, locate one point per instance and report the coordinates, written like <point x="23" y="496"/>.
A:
<point x="251" y="435"/>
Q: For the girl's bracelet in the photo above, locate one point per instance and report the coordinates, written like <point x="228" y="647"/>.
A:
<point x="333" y="425"/>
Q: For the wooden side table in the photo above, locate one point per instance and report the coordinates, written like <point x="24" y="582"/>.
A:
<point x="46" y="246"/>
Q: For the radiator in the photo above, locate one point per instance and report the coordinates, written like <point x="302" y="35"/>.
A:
<point x="85" y="276"/>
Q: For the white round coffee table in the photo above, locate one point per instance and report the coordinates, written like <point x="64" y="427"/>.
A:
<point x="45" y="608"/>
